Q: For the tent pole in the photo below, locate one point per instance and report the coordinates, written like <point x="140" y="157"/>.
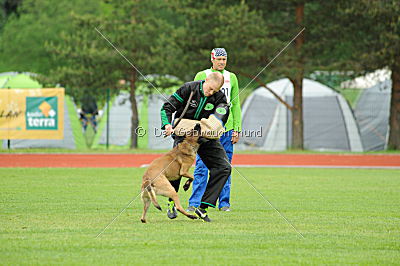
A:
<point x="108" y="117"/>
<point x="8" y="140"/>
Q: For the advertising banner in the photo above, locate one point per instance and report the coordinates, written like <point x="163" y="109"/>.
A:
<point x="32" y="113"/>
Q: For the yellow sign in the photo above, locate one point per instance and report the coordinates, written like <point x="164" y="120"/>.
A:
<point x="32" y="113"/>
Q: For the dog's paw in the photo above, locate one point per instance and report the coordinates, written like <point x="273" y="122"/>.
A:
<point x="186" y="186"/>
<point x="192" y="217"/>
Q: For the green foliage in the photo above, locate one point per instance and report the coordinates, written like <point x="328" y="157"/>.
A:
<point x="177" y="36"/>
<point x="347" y="216"/>
<point x="246" y="34"/>
<point x="166" y="84"/>
<point x="379" y="48"/>
<point x="88" y="63"/>
<point x="91" y="64"/>
<point x="376" y="25"/>
<point x="230" y="25"/>
<point x="3" y="15"/>
<point x="22" y="44"/>
<point x="8" y="8"/>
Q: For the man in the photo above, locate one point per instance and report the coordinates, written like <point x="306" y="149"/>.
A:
<point x="206" y="100"/>
<point x="231" y="136"/>
<point x="88" y="112"/>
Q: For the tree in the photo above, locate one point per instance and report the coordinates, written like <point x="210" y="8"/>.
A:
<point x="32" y="23"/>
<point x="89" y="65"/>
<point x="297" y="81"/>
<point x="316" y="48"/>
<point x="254" y="40"/>
<point x="8" y="8"/>
<point x="376" y="25"/>
<point x="201" y="29"/>
<point x="94" y="52"/>
<point x="336" y="32"/>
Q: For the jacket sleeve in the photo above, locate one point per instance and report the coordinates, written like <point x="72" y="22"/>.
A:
<point x="174" y="103"/>
<point x="235" y="108"/>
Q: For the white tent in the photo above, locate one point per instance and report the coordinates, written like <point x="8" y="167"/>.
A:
<point x="120" y="121"/>
<point x="372" y="114"/>
<point x="156" y="137"/>
<point x="329" y="123"/>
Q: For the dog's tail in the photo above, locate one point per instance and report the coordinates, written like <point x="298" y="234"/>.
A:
<point x="152" y="194"/>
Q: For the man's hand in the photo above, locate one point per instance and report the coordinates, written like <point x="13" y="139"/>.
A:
<point x="168" y="130"/>
<point x="235" y="137"/>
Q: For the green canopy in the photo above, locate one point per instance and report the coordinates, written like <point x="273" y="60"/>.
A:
<point x="14" y="80"/>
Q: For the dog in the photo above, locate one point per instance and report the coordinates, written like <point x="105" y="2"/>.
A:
<point x="169" y="167"/>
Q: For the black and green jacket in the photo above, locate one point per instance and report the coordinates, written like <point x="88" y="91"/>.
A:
<point x="200" y="106"/>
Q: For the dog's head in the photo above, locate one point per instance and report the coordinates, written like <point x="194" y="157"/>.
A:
<point x="193" y="135"/>
<point x="194" y="132"/>
<point x="197" y="129"/>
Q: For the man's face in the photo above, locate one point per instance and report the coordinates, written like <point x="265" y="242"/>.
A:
<point x="210" y="87"/>
<point x="219" y="63"/>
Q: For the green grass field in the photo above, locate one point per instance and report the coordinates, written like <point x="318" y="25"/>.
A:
<point x="52" y="216"/>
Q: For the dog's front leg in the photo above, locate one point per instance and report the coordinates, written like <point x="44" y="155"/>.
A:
<point x="186" y="186"/>
<point x="185" y="172"/>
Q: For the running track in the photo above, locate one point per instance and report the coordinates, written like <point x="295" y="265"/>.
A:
<point x="246" y="160"/>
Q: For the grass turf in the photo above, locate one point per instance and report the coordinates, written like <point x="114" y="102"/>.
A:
<point x="51" y="216"/>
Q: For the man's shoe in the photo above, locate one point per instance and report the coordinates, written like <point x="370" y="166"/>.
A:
<point x="191" y="209"/>
<point x="225" y="209"/>
<point x="171" y="212"/>
<point x="202" y="214"/>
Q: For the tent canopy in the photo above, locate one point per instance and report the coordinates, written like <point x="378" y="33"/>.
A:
<point x="15" y="80"/>
<point x="372" y="115"/>
<point x="328" y="120"/>
<point x="283" y="87"/>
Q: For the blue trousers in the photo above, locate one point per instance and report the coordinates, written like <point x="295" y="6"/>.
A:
<point x="201" y="176"/>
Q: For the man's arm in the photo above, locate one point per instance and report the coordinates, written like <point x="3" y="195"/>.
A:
<point x="235" y="109"/>
<point x="175" y="101"/>
<point x="235" y="104"/>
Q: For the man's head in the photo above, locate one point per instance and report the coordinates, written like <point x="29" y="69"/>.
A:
<point x="219" y="58"/>
<point x="213" y="83"/>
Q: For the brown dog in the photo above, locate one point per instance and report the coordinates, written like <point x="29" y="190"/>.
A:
<point x="171" y="166"/>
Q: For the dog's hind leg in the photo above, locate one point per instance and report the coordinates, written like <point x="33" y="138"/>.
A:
<point x="147" y="186"/>
<point x="165" y="189"/>
<point x="174" y="196"/>
<point x="180" y="208"/>
<point x="146" y="203"/>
